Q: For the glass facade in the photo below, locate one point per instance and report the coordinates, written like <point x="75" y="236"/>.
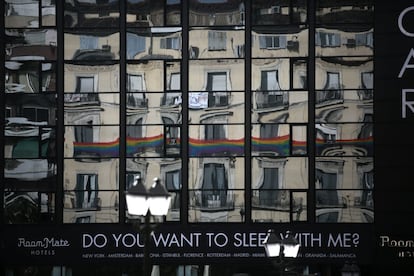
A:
<point x="249" y="113"/>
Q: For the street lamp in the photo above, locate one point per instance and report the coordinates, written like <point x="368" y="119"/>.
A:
<point x="281" y="249"/>
<point x="143" y="202"/>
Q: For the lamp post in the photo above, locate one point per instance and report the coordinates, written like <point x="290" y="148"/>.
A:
<point x="281" y="249"/>
<point x="143" y="202"/>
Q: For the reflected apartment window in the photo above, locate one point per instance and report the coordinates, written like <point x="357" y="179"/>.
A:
<point x="367" y="83"/>
<point x="332" y="89"/>
<point x="325" y="39"/>
<point x="170" y="43"/>
<point x="85" y="84"/>
<point x="135" y="83"/>
<point x="367" y="199"/>
<point x="135" y="45"/>
<point x="326" y="184"/>
<point x="174" y="82"/>
<point x="87" y="191"/>
<point x="214" y="132"/>
<point x="272" y="42"/>
<point x="366" y="39"/>
<point x="171" y="98"/>
<point x="88" y="42"/>
<point x="268" y="190"/>
<point x="216" y="85"/>
<point x="136" y="130"/>
<point x="215" y="186"/>
<point x="36" y="114"/>
<point x="216" y="41"/>
<point x="173" y="184"/>
<point x="84" y="134"/>
<point x="269" y="95"/>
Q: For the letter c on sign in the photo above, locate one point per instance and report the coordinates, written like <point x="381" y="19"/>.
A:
<point x="400" y="23"/>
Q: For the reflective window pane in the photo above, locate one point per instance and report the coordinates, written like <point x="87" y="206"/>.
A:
<point x="31" y="207"/>
<point x="343" y="11"/>
<point x="274" y="42"/>
<point x="148" y="13"/>
<point x="278" y="12"/>
<point x="167" y="170"/>
<point x="91" y="142"/>
<point x="216" y="13"/>
<point x="91" y="191"/>
<point x="344" y="190"/>
<point x="89" y="78"/>
<point x="92" y="45"/>
<point x="273" y="180"/>
<point x="91" y="14"/>
<point x="154" y="43"/>
<point x="216" y="139"/>
<point x="216" y="43"/>
<point x="216" y="190"/>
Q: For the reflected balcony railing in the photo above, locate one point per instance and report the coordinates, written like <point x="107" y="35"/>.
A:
<point x="94" y="54"/>
<point x="171" y="99"/>
<point x="277" y="200"/>
<point x="89" y="203"/>
<point x="137" y="100"/>
<point x="212" y="199"/>
<point x="326" y="97"/>
<point x="272" y="99"/>
<point x="366" y="94"/>
<point x="218" y="99"/>
<point x="76" y="99"/>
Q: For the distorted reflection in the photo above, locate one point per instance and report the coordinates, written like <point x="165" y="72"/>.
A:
<point x="278" y="186"/>
<point x="216" y="190"/>
<point x="344" y="11"/>
<point x="154" y="43"/>
<point x="216" y="12"/>
<point x="279" y="12"/>
<point x="92" y="45"/>
<point x="344" y="190"/>
<point x="167" y="170"/>
<point x="147" y="13"/>
<point x="91" y="13"/>
<point x="279" y="42"/>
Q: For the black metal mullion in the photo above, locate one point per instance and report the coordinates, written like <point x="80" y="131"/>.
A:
<point x="247" y="113"/>
<point x="60" y="127"/>
<point x="311" y="113"/>
<point x="122" y="110"/>
<point x="184" y="123"/>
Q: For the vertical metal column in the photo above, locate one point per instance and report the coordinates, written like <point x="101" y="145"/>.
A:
<point x="122" y="109"/>
<point x="184" y="110"/>
<point x="311" y="112"/>
<point x="2" y="115"/>
<point x="248" y="112"/>
<point x="60" y="127"/>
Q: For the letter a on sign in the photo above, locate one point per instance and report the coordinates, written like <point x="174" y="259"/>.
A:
<point x="407" y="63"/>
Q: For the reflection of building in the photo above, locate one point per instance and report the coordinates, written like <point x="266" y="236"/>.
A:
<point x="243" y="119"/>
<point x="30" y="164"/>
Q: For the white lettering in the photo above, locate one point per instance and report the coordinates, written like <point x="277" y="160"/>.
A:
<point x="387" y="242"/>
<point x="400" y="23"/>
<point x="98" y="240"/>
<point x="180" y="240"/>
<point x="405" y="103"/>
<point x="249" y="239"/>
<point x="407" y="63"/>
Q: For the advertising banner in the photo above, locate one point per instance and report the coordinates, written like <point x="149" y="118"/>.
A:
<point x="174" y="243"/>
